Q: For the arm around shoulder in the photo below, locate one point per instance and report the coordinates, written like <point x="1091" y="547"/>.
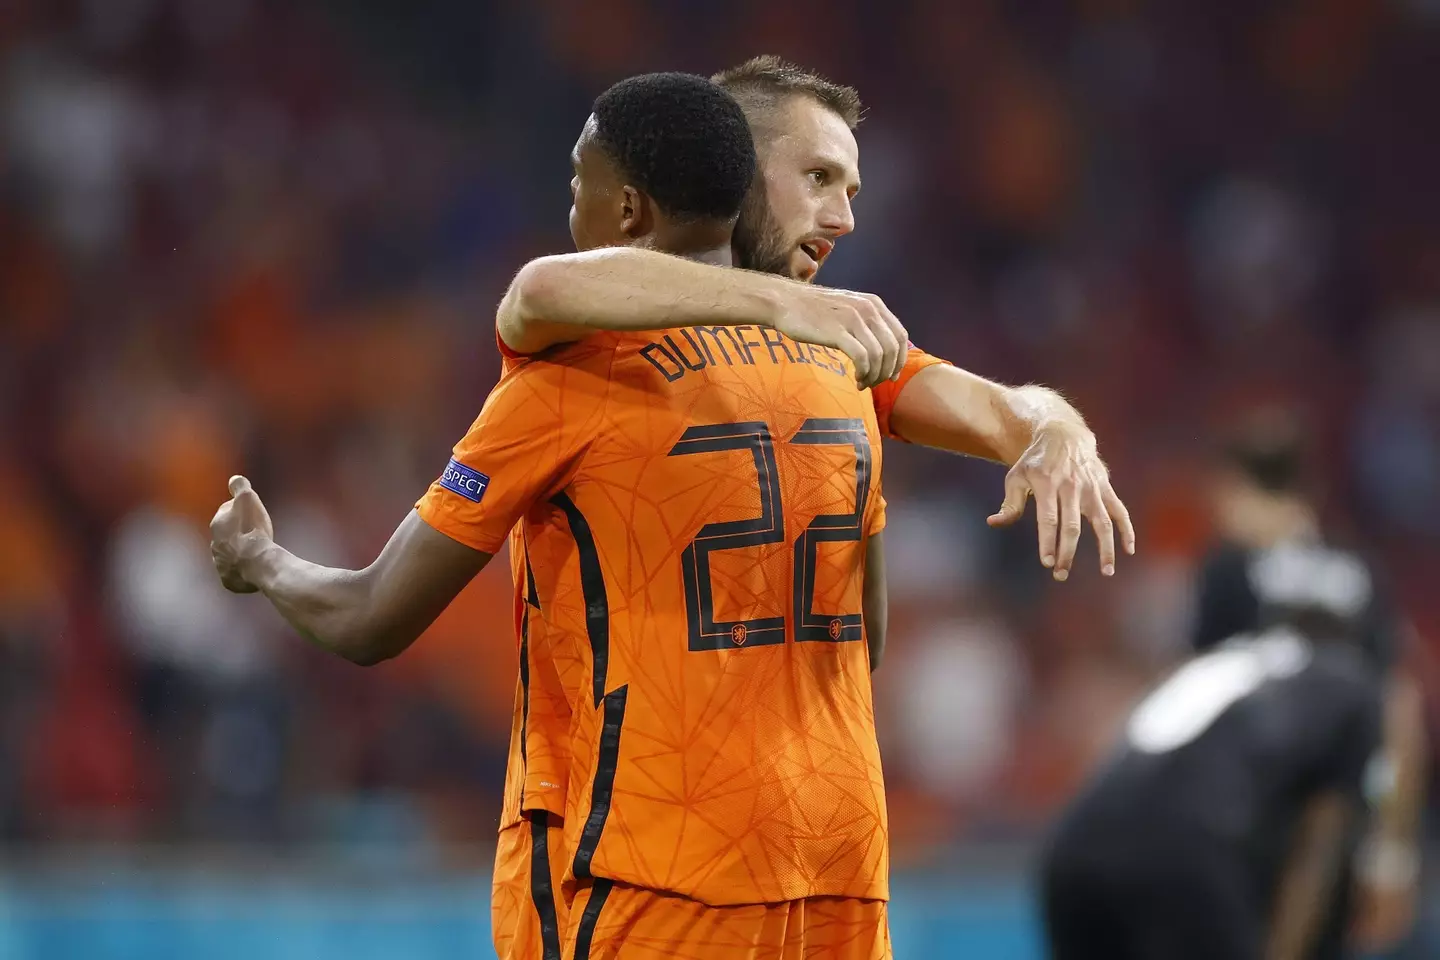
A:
<point x="567" y="297"/>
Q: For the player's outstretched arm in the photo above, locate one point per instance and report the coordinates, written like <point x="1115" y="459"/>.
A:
<point x="1309" y="878"/>
<point x="563" y="298"/>
<point x="1051" y="452"/>
<point x="1388" y="866"/>
<point x="365" y="616"/>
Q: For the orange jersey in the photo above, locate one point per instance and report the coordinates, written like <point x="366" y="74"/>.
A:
<point x="693" y="506"/>
<point x="612" y="920"/>
<point x="885" y="394"/>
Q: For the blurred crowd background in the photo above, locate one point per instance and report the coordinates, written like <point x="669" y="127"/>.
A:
<point x="269" y="236"/>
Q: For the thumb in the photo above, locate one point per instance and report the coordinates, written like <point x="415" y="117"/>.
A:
<point x="239" y="485"/>
<point x="1017" y="492"/>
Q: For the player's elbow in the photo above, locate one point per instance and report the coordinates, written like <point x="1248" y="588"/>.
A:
<point x="534" y="296"/>
<point x="365" y="645"/>
<point x="373" y="647"/>
<point x="366" y="655"/>
<point x="537" y="289"/>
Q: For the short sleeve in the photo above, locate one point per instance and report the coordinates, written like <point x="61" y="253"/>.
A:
<point x="885" y="394"/>
<point x="524" y="447"/>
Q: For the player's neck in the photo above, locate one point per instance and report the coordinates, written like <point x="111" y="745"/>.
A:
<point x="694" y="242"/>
<point x="1264" y="520"/>
<point x="719" y="256"/>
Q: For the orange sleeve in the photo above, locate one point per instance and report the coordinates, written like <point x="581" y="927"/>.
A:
<point x="510" y="356"/>
<point x="524" y="447"/>
<point x="885" y="394"/>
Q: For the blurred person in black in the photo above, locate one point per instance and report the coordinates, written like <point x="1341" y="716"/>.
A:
<point x="1274" y="780"/>
<point x="1270" y="541"/>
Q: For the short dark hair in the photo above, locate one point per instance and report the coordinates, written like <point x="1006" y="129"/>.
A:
<point x="762" y="83"/>
<point x="1269" y="448"/>
<point x="682" y="140"/>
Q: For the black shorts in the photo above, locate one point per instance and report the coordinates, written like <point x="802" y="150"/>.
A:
<point x="1143" y="897"/>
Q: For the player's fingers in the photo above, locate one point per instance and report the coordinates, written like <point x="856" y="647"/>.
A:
<point x="236" y="585"/>
<point x="875" y="354"/>
<point x="1103" y="526"/>
<point x="1070" y="525"/>
<point x="890" y="348"/>
<point x="1115" y="509"/>
<point x="1017" y="492"/>
<point x="1047" y="520"/>
<point x="897" y="330"/>
<point x="239" y="485"/>
<point x="229" y="578"/>
<point x="902" y="336"/>
<point x="858" y="355"/>
<point x="221" y="520"/>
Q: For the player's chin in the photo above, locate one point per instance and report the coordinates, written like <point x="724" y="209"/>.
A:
<point x="802" y="266"/>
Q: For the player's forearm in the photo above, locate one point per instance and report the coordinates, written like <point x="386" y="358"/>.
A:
<point x="563" y="298"/>
<point x="1400" y="811"/>
<point x="952" y="409"/>
<point x="328" y="606"/>
<point x="1389" y="861"/>
<point x="1308" y="881"/>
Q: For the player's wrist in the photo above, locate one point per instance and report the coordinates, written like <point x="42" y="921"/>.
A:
<point x="1389" y="864"/>
<point x="1067" y="430"/>
<point x="762" y="301"/>
<point x="257" y="559"/>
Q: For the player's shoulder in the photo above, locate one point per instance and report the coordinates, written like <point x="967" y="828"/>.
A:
<point x="1340" y="677"/>
<point x="1312" y="572"/>
<point x="562" y="366"/>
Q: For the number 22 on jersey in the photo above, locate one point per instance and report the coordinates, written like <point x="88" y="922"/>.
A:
<point x="707" y="633"/>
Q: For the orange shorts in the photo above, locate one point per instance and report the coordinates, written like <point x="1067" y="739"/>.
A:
<point x="606" y="916"/>
<point x="527" y="909"/>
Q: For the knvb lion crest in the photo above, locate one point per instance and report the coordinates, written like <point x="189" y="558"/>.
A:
<point x="738" y="633"/>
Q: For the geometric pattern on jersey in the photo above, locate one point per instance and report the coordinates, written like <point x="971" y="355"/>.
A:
<point x="615" y="920"/>
<point x="528" y="913"/>
<point x="693" y="506"/>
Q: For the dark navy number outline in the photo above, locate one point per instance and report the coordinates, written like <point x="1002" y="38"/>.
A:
<point x="706" y="633"/>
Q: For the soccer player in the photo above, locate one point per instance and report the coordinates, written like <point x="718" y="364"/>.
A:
<point x="1271" y="543"/>
<point x="798" y="208"/>
<point x="694" y="516"/>
<point x="1221" y="829"/>
<point x="1229" y="823"/>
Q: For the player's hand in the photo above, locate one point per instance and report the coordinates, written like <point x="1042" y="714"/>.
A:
<point x="857" y="324"/>
<point x="241" y="525"/>
<point x="1070" y="483"/>
<point x="1383" y="918"/>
